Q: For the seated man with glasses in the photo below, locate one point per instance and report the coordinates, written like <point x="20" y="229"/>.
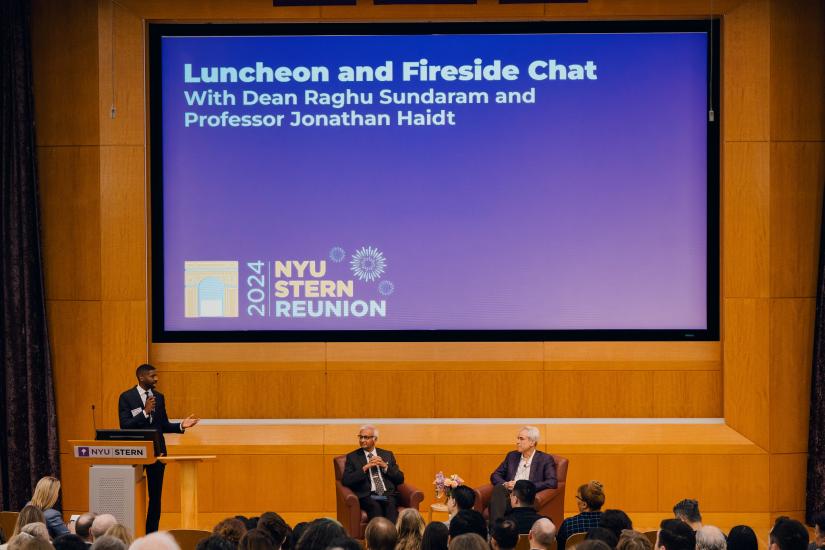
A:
<point x="373" y="475"/>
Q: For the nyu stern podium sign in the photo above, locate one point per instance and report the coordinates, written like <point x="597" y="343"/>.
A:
<point x="105" y="452"/>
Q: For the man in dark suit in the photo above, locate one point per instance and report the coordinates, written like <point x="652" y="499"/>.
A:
<point x="373" y="476"/>
<point x="142" y="407"/>
<point x="526" y="462"/>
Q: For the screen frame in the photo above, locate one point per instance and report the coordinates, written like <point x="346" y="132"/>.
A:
<point x="157" y="30"/>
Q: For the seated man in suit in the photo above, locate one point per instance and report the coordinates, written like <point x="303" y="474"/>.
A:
<point x="526" y="462"/>
<point x="522" y="500"/>
<point x="373" y="475"/>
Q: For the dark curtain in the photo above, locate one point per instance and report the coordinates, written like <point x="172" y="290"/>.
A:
<point x="27" y="406"/>
<point x="816" y="427"/>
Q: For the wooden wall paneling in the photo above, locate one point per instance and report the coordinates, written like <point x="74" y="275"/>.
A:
<point x="747" y="367"/>
<point x="190" y="393"/>
<point x="596" y="394"/>
<point x="746" y="224"/>
<point x="792" y="332"/>
<point x="627" y="356"/>
<point x="238" y="10"/>
<point x="70" y="213"/>
<point x="419" y="471"/>
<point x="630" y="480"/>
<point x="329" y="502"/>
<point x="723" y="483"/>
<point x="274" y="394"/>
<point x="746" y="83"/>
<point x="686" y="394"/>
<point x="64" y="68"/>
<point x="123" y="348"/>
<point x="122" y="224"/>
<point x="287" y="355"/>
<point x="269" y="482"/>
<point x="206" y="496"/>
<point x="788" y="477"/>
<point x="796" y="69"/>
<point x="74" y="331"/>
<point x="74" y="481"/>
<point x="379" y="394"/>
<point x="121" y="75"/>
<point x="513" y="394"/>
<point x="365" y="9"/>
<point x="797" y="176"/>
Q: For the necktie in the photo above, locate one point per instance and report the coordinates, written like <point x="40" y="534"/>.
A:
<point x="380" y="488"/>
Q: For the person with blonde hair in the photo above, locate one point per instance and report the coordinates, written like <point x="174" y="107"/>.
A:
<point x="29" y="514"/>
<point x="120" y="532"/>
<point x="410" y="527"/>
<point x="633" y="540"/>
<point x="45" y="496"/>
<point x="589" y="499"/>
<point x="468" y="541"/>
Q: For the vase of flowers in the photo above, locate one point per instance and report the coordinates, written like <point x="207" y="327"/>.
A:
<point x="444" y="485"/>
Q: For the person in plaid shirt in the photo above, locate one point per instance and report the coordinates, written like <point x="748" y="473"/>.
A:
<point x="589" y="499"/>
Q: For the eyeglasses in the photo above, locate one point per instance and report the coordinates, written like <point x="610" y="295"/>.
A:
<point x="366" y="437"/>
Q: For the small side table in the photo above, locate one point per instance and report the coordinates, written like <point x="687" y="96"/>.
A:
<point x="437" y="507"/>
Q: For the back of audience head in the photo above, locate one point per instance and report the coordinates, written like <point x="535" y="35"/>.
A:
<point x="232" y="529"/>
<point x="108" y="542"/>
<point x="687" y="510"/>
<point x="69" y="541"/>
<point x="83" y="526"/>
<point x="592" y="545"/>
<point x="462" y="497"/>
<point x="819" y="529"/>
<point x="256" y="539"/>
<point x="101" y="524"/>
<point x="504" y="534"/>
<point x="410" y="527"/>
<point x="25" y="541"/>
<point x="615" y="520"/>
<point x="159" y="540"/>
<point x="524" y="491"/>
<point x="605" y="535"/>
<point x="29" y="514"/>
<point x="120" y="532"/>
<point x="468" y="521"/>
<point x="37" y="530"/>
<point x="674" y="534"/>
<point x="380" y="534"/>
<point x="469" y="541"/>
<point x="709" y="537"/>
<point x="345" y="543"/>
<point x="742" y="537"/>
<point x="542" y="534"/>
<point x="277" y="528"/>
<point x="591" y="495"/>
<point x="633" y="540"/>
<point x="319" y="533"/>
<point x="46" y="492"/>
<point x="215" y="542"/>
<point x="788" y="534"/>
<point x="296" y="533"/>
<point x="435" y="536"/>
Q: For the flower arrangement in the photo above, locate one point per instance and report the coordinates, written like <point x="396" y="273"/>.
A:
<point x="445" y="485"/>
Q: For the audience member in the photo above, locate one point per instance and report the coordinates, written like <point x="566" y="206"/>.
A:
<point x="232" y="529"/>
<point x="101" y="524"/>
<point x="319" y="533"/>
<point x="345" y="543"/>
<point x="468" y="521"/>
<point x="69" y="541"/>
<point x="108" y="542"/>
<point x="37" y="530"/>
<point x="297" y="531"/>
<point x="742" y="537"/>
<point x="504" y="534"/>
<point x="605" y="535"/>
<point x="435" y="537"/>
<point x="25" y="541"/>
<point x="155" y="541"/>
<point x="215" y="542"/>
<point x="687" y="510"/>
<point x="45" y="497"/>
<point x="592" y="545"/>
<point x="277" y="528"/>
<point x="674" y="534"/>
<point x="410" y="527"/>
<point x="788" y="534"/>
<point x="120" y="532"/>
<point x="256" y="539"/>
<point x="589" y="499"/>
<point x="461" y="498"/>
<point x="709" y="537"/>
<point x="83" y="527"/>
<point x="17" y="542"/>
<point x="468" y="541"/>
<point x="615" y="520"/>
<point x="633" y="540"/>
<point x="522" y="504"/>
<point x="542" y="535"/>
<point x="29" y="514"/>
<point x="819" y="532"/>
<point x="380" y="534"/>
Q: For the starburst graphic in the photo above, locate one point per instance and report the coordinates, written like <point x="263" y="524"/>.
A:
<point x="385" y="287"/>
<point x="337" y="254"/>
<point x="368" y="264"/>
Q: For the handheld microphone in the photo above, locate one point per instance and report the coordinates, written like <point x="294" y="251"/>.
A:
<point x="94" y="424"/>
<point x="149" y="395"/>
